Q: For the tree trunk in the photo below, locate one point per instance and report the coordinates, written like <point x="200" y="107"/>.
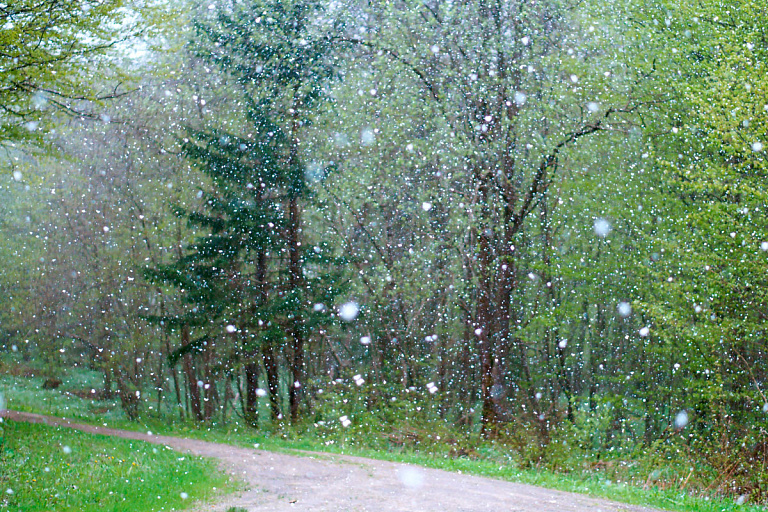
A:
<point x="251" y="392"/>
<point x="295" y="274"/>
<point x="273" y="380"/>
<point x="192" y="387"/>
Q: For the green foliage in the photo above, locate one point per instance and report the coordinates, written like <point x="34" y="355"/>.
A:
<point x="47" y="52"/>
<point x="44" y="468"/>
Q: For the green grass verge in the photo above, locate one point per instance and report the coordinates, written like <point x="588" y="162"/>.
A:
<point x="44" y="468"/>
<point x="491" y="460"/>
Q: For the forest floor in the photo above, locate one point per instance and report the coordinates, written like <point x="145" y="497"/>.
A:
<point x="306" y="481"/>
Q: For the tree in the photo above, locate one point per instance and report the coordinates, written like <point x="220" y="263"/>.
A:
<point x="49" y="53"/>
<point x="281" y="63"/>
<point x="514" y="105"/>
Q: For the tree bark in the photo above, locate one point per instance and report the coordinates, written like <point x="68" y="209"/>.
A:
<point x="189" y="370"/>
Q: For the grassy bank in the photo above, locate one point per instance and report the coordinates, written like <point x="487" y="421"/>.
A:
<point x="45" y="468"/>
<point x="621" y="479"/>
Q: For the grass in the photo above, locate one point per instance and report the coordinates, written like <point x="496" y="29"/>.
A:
<point x="45" y="468"/>
<point x="488" y="459"/>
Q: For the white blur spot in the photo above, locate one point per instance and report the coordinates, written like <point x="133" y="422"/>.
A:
<point x="765" y="407"/>
<point x="67" y="450"/>
<point x="184" y="495"/>
<point x="367" y="137"/>
<point x="593" y="106"/>
<point x="574" y="78"/>
<point x="410" y="477"/>
<point x="359" y="381"/>
<point x="526" y="40"/>
<point x="365" y="340"/>
<point x="106" y="229"/>
<point x="645" y="331"/>
<point x="319" y="307"/>
<point x="624" y="309"/>
<point x="757" y="146"/>
<point x="563" y="343"/>
<point x="435" y="49"/>
<point x="345" y="421"/>
<point x="538" y="395"/>
<point x="478" y="331"/>
<point x="17" y="175"/>
<point x="602" y="227"/>
<point x="231" y="328"/>
<point x="697" y="308"/>
<point x="426" y="206"/>
<point x="431" y="388"/>
<point x="764" y="246"/>
<point x="261" y="392"/>
<point x="349" y="311"/>
<point x="681" y="420"/>
<point x="520" y="98"/>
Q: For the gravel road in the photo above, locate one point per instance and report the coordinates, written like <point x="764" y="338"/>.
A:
<point x="336" y="483"/>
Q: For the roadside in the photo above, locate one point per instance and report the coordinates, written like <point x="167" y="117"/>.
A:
<point x="325" y="482"/>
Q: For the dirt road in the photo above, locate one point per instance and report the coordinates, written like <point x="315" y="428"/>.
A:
<point x="319" y="482"/>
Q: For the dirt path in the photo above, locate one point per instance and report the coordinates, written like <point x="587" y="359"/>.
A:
<point x="321" y="482"/>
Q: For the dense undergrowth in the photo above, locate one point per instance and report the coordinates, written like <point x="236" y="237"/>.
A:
<point x="667" y="474"/>
<point x="45" y="468"/>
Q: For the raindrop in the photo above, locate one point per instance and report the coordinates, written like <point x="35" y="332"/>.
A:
<point x="67" y="450"/>
<point x="602" y="227"/>
<point x="757" y="146"/>
<point x="520" y="98"/>
<point x="367" y="137"/>
<point x="231" y="328"/>
<point x="365" y="340"/>
<point x="184" y="495"/>
<point x="349" y="311"/>
<point x="411" y="477"/>
<point x="681" y="420"/>
<point x="593" y="106"/>
<point x="624" y="309"/>
<point x="426" y="206"/>
<point x="17" y="175"/>
<point x="645" y="331"/>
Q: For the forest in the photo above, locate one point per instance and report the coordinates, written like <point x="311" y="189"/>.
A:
<point x="536" y="224"/>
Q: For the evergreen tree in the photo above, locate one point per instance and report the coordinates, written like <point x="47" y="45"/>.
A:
<point x="252" y="271"/>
